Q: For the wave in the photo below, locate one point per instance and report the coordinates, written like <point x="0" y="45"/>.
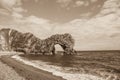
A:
<point x="57" y="71"/>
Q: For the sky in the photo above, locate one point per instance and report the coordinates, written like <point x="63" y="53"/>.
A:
<point x="94" y="24"/>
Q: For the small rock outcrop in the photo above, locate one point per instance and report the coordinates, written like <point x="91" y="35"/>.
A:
<point x="28" y="43"/>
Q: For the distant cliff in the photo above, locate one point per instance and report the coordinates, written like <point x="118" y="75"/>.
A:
<point x="11" y="39"/>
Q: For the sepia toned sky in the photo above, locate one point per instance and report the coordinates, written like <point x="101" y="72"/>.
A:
<point x="95" y="24"/>
<point x="55" y="10"/>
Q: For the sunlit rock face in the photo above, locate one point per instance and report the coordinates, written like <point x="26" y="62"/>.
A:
<point x="48" y="45"/>
<point x="4" y="39"/>
<point x="28" y="43"/>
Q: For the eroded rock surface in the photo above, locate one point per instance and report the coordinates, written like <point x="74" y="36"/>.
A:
<point x="28" y="43"/>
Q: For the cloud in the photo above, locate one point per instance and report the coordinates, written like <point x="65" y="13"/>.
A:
<point x="99" y="32"/>
<point x="94" y="0"/>
<point x="36" y="20"/>
<point x="67" y="3"/>
<point x="13" y="7"/>
<point x="40" y="27"/>
<point x="94" y="33"/>
<point x="110" y="7"/>
<point x="30" y="20"/>
<point x="64" y="3"/>
<point x="86" y="15"/>
<point x="16" y="15"/>
<point x="19" y="9"/>
<point x="79" y="3"/>
<point x="4" y="12"/>
<point x="10" y="4"/>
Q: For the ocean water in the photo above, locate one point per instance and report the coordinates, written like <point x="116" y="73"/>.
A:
<point x="94" y="65"/>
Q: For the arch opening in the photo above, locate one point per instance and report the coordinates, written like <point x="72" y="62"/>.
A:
<point x="58" y="49"/>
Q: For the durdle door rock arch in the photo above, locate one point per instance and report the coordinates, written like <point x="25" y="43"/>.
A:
<point x="30" y="44"/>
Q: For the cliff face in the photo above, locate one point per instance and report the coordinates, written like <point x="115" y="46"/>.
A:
<point x="28" y="43"/>
<point x="4" y="39"/>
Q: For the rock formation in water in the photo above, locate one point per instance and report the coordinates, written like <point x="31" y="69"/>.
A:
<point x="28" y="43"/>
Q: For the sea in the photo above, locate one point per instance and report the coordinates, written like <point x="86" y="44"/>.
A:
<point x="85" y="65"/>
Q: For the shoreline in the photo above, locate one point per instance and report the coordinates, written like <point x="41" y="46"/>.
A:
<point x="55" y="70"/>
<point x="28" y="72"/>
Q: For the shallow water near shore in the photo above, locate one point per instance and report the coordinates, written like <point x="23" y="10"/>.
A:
<point x="84" y="66"/>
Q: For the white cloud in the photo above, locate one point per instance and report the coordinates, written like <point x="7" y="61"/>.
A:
<point x="4" y="12"/>
<point x="94" y="0"/>
<point x="10" y="4"/>
<point x="67" y="3"/>
<point x="40" y="27"/>
<point x="30" y="20"/>
<point x="17" y="15"/>
<point x="13" y="7"/>
<point x="36" y="20"/>
<point x="79" y="3"/>
<point x="86" y="15"/>
<point x="110" y="7"/>
<point x="96" y="32"/>
<point x="71" y="3"/>
<point x="64" y="3"/>
<point x="18" y="9"/>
